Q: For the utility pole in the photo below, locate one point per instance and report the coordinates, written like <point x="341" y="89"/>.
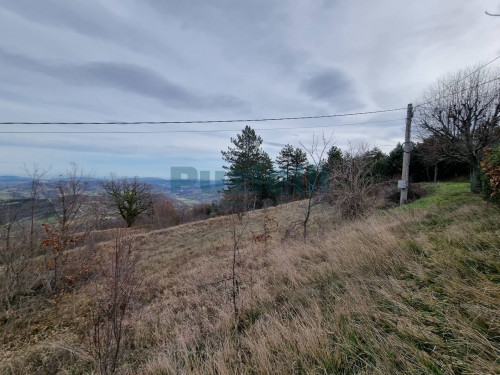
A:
<point x="403" y="184"/>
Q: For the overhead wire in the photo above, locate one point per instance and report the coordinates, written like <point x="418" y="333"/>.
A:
<point x="463" y="79"/>
<point x="199" y="121"/>
<point x="192" y="131"/>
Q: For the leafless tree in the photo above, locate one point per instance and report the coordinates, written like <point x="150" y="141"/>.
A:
<point x="317" y="154"/>
<point x="13" y="252"/>
<point x="36" y="174"/>
<point x="351" y="182"/>
<point x="163" y="212"/>
<point x="462" y="112"/>
<point x="115" y="287"/>
<point x="68" y="198"/>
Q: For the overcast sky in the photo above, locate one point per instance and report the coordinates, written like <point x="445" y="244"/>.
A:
<point x="152" y="60"/>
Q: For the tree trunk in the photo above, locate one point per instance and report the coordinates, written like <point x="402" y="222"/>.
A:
<point x="435" y="173"/>
<point x="475" y="178"/>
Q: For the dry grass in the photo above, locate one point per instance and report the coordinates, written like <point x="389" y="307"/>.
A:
<point x="403" y="291"/>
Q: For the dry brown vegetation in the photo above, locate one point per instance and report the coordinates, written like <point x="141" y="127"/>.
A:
<point x="400" y="291"/>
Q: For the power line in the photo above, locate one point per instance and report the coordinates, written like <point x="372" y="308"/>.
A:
<point x="481" y="67"/>
<point x="198" y="121"/>
<point x="194" y="131"/>
<point x="463" y="79"/>
<point x="456" y="92"/>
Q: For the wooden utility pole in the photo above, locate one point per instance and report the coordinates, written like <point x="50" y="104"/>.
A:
<point x="403" y="184"/>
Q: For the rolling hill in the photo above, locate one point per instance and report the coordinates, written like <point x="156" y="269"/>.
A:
<point x="408" y="290"/>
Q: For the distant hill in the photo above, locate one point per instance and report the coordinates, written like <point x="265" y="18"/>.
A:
<point x="6" y="181"/>
<point x="13" y="179"/>
<point x="187" y="191"/>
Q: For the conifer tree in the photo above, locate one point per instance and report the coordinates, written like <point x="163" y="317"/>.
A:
<point x="250" y="172"/>
<point x="292" y="163"/>
<point x="299" y="165"/>
<point x="284" y="161"/>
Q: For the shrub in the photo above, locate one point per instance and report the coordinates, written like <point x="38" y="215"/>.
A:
<point x="116" y="285"/>
<point x="352" y="183"/>
<point x="490" y="166"/>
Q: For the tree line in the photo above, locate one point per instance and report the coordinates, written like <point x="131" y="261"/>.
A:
<point x="457" y="125"/>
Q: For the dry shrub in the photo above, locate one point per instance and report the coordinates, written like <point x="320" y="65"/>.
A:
<point x="161" y="214"/>
<point x="117" y="282"/>
<point x="352" y="183"/>
<point x="18" y="277"/>
<point x="50" y="358"/>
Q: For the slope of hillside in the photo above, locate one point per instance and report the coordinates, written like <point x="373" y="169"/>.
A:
<point x="412" y="290"/>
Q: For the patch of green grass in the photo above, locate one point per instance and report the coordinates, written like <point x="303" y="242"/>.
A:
<point x="414" y="247"/>
<point x="444" y="194"/>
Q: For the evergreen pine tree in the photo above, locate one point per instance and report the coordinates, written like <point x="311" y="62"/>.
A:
<point x="250" y="172"/>
<point x="299" y="164"/>
<point x="284" y="161"/>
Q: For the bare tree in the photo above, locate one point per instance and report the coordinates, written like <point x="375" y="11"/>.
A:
<point x="317" y="154"/>
<point x="68" y="198"/>
<point x="36" y="174"/>
<point x="13" y="252"/>
<point x="351" y="181"/>
<point x="130" y="197"/>
<point x="163" y="211"/>
<point x="116" y="284"/>
<point x="462" y="112"/>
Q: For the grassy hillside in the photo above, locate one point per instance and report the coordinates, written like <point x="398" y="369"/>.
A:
<point x="411" y="290"/>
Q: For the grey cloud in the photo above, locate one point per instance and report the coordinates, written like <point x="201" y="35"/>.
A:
<point x="124" y="77"/>
<point x="86" y="18"/>
<point x="129" y="78"/>
<point x="333" y="87"/>
<point x="168" y="59"/>
<point x="69" y="145"/>
<point x="253" y="29"/>
<point x="220" y="16"/>
<point x="49" y="12"/>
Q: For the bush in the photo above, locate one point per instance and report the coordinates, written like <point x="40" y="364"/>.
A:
<point x="352" y="183"/>
<point x="490" y="167"/>
<point x="116" y="286"/>
<point x="164" y="214"/>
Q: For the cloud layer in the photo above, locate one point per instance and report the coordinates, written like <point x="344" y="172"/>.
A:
<point x="173" y="60"/>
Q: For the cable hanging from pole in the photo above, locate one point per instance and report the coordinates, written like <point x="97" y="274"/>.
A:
<point x="199" y="121"/>
<point x="467" y="76"/>
<point x="190" y="131"/>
